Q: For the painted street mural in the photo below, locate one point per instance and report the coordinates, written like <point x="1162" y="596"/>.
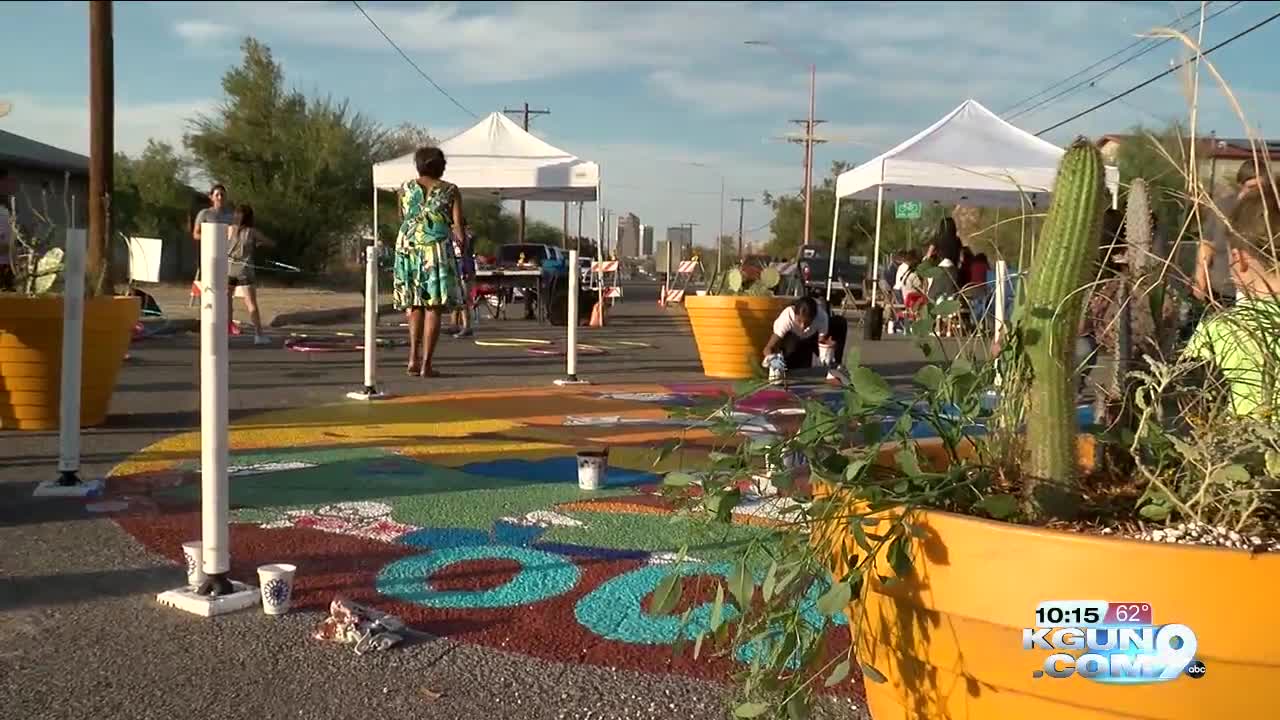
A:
<point x="461" y="514"/>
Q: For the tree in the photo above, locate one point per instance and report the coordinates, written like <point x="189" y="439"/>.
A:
<point x="152" y="197"/>
<point x="303" y="164"/>
<point x="404" y="139"/>
<point x="543" y="233"/>
<point x="857" y="222"/>
<point x="1162" y="159"/>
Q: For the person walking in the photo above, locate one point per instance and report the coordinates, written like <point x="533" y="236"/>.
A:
<point x="217" y="212"/>
<point x="466" y="274"/>
<point x="244" y="239"/>
<point x="426" y="271"/>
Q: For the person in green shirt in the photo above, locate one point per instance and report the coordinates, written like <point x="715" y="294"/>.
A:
<point x="1242" y="344"/>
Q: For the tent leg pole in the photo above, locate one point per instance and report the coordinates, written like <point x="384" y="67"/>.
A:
<point x="875" y="255"/>
<point x="831" y="262"/>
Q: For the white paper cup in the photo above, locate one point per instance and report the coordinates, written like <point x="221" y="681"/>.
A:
<point x="827" y="355"/>
<point x="191" y="552"/>
<point x="593" y="465"/>
<point x="276" y="583"/>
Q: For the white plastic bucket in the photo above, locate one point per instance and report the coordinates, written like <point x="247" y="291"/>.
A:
<point x="191" y="553"/>
<point x="276" y="583"/>
<point x="593" y="466"/>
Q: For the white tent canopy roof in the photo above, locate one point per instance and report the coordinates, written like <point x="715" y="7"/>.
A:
<point x="498" y="158"/>
<point x="970" y="156"/>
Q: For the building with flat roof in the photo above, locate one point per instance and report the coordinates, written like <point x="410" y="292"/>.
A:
<point x="628" y="245"/>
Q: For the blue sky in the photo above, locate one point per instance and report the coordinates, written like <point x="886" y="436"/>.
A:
<point x="645" y="88"/>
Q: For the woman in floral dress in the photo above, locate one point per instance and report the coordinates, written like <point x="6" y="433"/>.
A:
<point x="426" y="270"/>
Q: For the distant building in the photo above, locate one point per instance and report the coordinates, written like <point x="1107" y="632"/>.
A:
<point x="660" y="257"/>
<point x="42" y="177"/>
<point x="681" y="240"/>
<point x="628" y="245"/>
<point x="646" y="241"/>
<point x="1218" y="158"/>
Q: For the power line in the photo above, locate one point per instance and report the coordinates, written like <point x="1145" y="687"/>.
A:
<point x="1069" y="78"/>
<point x="1094" y="78"/>
<point x="409" y="60"/>
<point x="1171" y="70"/>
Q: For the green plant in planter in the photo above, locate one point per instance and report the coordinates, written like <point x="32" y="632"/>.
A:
<point x="734" y="283"/>
<point x="1047" y="322"/>
<point x="39" y="265"/>
<point x="841" y="446"/>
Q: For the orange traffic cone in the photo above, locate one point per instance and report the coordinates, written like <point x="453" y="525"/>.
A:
<point x="597" y="315"/>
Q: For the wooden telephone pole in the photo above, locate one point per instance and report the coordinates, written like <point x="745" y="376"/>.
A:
<point x="742" y="202"/>
<point x="101" y="133"/>
<point x="525" y="112"/>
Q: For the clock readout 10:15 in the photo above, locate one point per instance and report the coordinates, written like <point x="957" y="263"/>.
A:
<point x="1084" y="613"/>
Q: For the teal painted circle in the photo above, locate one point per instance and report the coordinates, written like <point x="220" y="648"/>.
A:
<point x="541" y="576"/>
<point x="808" y="613"/>
<point x="613" y="611"/>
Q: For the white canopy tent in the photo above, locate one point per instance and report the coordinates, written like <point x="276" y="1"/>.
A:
<point x="497" y="159"/>
<point x="969" y="157"/>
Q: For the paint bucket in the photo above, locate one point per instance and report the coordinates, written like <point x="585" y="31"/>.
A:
<point x="276" y="583"/>
<point x="593" y="465"/>
<point x="191" y="553"/>
<point x="777" y="368"/>
<point x="827" y="354"/>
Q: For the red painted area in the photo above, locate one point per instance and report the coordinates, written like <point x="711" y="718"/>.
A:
<point x="330" y="564"/>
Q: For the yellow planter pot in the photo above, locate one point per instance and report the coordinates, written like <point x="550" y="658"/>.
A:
<point x="31" y="358"/>
<point x="949" y="637"/>
<point x="731" y="331"/>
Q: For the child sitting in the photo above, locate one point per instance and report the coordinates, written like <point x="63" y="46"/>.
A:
<point x="1243" y="343"/>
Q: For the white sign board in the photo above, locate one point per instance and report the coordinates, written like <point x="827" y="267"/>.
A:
<point x="144" y="259"/>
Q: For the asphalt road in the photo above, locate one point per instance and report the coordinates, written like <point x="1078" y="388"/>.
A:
<point x="81" y="635"/>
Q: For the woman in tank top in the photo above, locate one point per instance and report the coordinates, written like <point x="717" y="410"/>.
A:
<point x="244" y="239"/>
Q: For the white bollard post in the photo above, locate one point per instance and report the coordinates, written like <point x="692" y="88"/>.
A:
<point x="72" y="355"/>
<point x="68" y="482"/>
<point x="370" y="318"/>
<point x="217" y="594"/>
<point x="571" y="353"/>
<point x="370" y="390"/>
<point x="1002" y="283"/>
<point x="214" y="496"/>
<point x="1002" y="300"/>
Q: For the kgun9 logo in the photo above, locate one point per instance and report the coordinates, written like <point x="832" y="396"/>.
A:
<point x="1121" y="655"/>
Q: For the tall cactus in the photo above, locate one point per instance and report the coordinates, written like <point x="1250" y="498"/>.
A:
<point x="1150" y="332"/>
<point x="1048" y="324"/>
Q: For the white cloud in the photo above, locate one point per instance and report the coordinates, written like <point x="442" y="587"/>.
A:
<point x="202" y="31"/>
<point x="723" y="95"/>
<point x="518" y="42"/>
<point x="64" y="122"/>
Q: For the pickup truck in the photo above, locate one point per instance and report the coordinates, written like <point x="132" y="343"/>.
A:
<point x="534" y="255"/>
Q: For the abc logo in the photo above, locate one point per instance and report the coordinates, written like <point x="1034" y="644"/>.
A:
<point x="1196" y="669"/>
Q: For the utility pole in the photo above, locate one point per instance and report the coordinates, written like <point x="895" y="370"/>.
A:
<point x="808" y="140"/>
<point x="101" y="133"/>
<point x="742" y="202"/>
<point x="525" y="112"/>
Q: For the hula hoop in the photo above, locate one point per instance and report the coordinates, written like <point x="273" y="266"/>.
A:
<point x="511" y="342"/>
<point x="324" y="338"/>
<point x="582" y="350"/>
<point x="326" y="346"/>
<point x="621" y="344"/>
